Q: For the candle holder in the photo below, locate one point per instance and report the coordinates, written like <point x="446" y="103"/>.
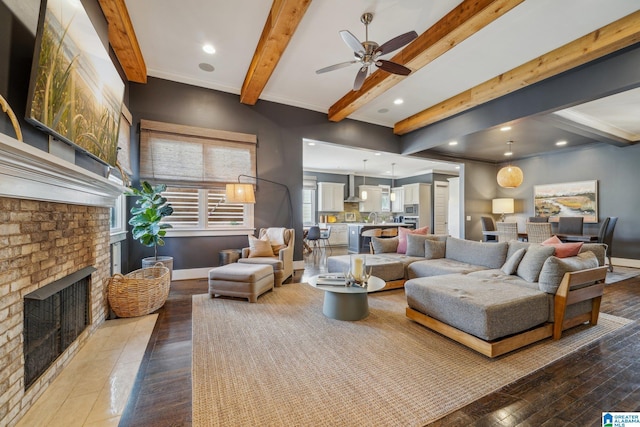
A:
<point x="357" y="274"/>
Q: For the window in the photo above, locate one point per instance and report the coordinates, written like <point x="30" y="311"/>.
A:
<point x="203" y="211"/>
<point x="117" y="216"/>
<point x="196" y="164"/>
<point x="309" y="200"/>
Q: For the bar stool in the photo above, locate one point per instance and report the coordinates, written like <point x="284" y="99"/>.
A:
<point x="366" y="236"/>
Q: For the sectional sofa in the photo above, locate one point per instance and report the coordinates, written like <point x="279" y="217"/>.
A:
<point x="493" y="297"/>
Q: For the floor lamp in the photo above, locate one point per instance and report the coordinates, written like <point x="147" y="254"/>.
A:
<point x="243" y="193"/>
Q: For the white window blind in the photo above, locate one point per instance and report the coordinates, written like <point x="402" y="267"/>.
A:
<point x="178" y="154"/>
<point x="204" y="208"/>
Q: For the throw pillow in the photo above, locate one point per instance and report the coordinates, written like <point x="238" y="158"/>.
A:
<point x="275" y="235"/>
<point x="434" y="249"/>
<point x="554" y="269"/>
<point x="563" y="250"/>
<point x="511" y="264"/>
<point x="415" y="244"/>
<point x="260" y="247"/>
<point x="532" y="261"/>
<point x="402" y="237"/>
<point x="383" y="245"/>
<point x="276" y="248"/>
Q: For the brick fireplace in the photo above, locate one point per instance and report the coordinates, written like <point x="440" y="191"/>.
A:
<point x="54" y="221"/>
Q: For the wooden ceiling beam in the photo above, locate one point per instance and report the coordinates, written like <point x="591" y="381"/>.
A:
<point x="466" y="19"/>
<point x="283" y="19"/>
<point x="123" y="39"/>
<point x="601" y="42"/>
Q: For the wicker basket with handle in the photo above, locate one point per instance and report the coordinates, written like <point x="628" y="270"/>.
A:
<point x="140" y="292"/>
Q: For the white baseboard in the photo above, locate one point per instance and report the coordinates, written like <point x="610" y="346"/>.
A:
<point x="191" y="273"/>
<point x="626" y="262"/>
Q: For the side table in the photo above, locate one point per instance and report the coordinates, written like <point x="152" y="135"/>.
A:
<point x="229" y="256"/>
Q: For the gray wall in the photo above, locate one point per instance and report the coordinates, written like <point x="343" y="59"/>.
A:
<point x="280" y="130"/>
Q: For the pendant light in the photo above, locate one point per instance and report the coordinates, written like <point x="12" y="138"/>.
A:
<point x="363" y="193"/>
<point x="392" y="196"/>
<point x="510" y="176"/>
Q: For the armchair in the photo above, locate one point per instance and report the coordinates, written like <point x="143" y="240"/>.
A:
<point x="281" y="260"/>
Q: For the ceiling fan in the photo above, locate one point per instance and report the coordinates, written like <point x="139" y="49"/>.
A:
<point x="367" y="53"/>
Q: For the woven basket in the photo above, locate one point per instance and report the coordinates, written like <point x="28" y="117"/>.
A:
<point x="140" y="292"/>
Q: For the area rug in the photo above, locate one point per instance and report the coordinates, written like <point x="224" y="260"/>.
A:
<point x="281" y="362"/>
<point x="621" y="273"/>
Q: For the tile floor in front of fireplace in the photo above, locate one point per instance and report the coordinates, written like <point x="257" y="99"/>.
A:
<point x="94" y="388"/>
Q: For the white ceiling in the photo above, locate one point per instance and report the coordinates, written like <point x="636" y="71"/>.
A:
<point x="172" y="33"/>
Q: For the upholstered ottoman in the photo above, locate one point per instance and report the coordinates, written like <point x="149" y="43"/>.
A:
<point x="241" y="280"/>
<point x="275" y="264"/>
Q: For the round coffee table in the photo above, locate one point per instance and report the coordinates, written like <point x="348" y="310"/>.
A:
<point x="347" y="302"/>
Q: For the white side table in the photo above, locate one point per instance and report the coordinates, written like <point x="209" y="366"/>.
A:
<point x="347" y="302"/>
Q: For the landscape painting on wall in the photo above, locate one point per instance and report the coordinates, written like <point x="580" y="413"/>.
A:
<point x="75" y="92"/>
<point x="567" y="199"/>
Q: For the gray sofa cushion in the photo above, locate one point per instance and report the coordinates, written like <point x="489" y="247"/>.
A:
<point x="511" y="264"/>
<point x="489" y="255"/>
<point x="531" y="264"/>
<point x="415" y="244"/>
<point x="554" y="269"/>
<point x="484" y="308"/>
<point x="514" y="245"/>
<point x="438" y="267"/>
<point x="384" y="244"/>
<point x="599" y="250"/>
<point x="434" y="249"/>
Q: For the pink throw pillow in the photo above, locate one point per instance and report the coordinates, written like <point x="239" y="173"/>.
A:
<point x="402" y="237"/>
<point x="563" y="250"/>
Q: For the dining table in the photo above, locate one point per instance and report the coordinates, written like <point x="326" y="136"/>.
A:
<point x="586" y="238"/>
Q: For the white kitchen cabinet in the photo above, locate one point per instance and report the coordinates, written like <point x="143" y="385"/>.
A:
<point x="373" y="203"/>
<point x="397" y="205"/>
<point x="339" y="234"/>
<point x="385" y="198"/>
<point x="330" y="197"/>
<point x="418" y="193"/>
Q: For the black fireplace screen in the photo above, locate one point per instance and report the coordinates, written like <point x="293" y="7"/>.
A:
<point x="54" y="316"/>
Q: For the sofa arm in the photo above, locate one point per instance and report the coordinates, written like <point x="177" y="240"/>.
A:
<point x="245" y="252"/>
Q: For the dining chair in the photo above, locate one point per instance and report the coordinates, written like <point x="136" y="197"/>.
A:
<point x="538" y="219"/>
<point x="507" y="231"/>
<point x="488" y="224"/>
<point x="324" y="237"/>
<point x="313" y="237"/>
<point x="570" y="225"/>
<point x="605" y="235"/>
<point x="538" y="232"/>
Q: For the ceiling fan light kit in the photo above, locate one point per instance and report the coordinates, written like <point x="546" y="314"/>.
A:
<point x="367" y="53"/>
<point x="510" y="176"/>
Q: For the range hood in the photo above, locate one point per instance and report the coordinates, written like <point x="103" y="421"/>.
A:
<point x="352" y="188"/>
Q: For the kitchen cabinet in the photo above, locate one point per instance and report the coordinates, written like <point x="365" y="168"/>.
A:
<point x="330" y="197"/>
<point x="374" y="198"/>
<point x="339" y="234"/>
<point x="416" y="194"/>
<point x="385" y="198"/>
<point x="397" y="205"/>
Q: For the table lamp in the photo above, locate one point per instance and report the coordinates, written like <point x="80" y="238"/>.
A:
<point x="502" y="206"/>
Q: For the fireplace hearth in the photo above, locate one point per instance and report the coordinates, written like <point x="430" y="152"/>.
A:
<point x="54" y="316"/>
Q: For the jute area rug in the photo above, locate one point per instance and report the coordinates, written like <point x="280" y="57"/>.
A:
<point x="281" y="362"/>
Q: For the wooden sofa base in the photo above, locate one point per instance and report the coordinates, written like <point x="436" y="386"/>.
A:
<point x="393" y="284"/>
<point x="488" y="348"/>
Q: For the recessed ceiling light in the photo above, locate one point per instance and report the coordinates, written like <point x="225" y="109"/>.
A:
<point x="457" y="167"/>
<point x="378" y="154"/>
<point x="398" y="101"/>
<point x="505" y="128"/>
<point x="508" y="153"/>
<point x="208" y="48"/>
<point x="453" y="143"/>
<point x="206" y="67"/>
<point x="383" y="110"/>
<point x="311" y="144"/>
<point x="561" y="143"/>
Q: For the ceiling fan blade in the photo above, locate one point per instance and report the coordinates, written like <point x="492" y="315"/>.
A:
<point x="360" y="77"/>
<point x="353" y="42"/>
<point x="397" y="42"/>
<point x="335" y="67"/>
<point x="392" y="67"/>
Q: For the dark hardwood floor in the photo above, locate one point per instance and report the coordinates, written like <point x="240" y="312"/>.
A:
<point x="574" y="391"/>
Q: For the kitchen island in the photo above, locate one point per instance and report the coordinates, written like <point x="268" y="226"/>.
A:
<point x="355" y="234"/>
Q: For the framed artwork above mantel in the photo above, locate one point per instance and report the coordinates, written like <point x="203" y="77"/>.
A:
<point x="567" y="199"/>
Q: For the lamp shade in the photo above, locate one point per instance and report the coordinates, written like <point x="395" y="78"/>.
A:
<point x="502" y="206"/>
<point x="510" y="177"/>
<point x="240" y="193"/>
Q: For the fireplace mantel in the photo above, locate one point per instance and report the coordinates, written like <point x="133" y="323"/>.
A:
<point x="29" y="173"/>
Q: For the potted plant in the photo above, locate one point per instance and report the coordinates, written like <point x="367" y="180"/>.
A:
<point x="146" y="216"/>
